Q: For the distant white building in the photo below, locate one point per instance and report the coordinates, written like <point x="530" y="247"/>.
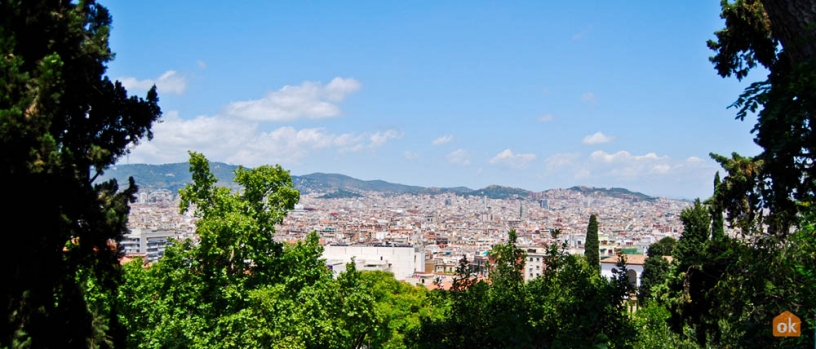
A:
<point x="634" y="267"/>
<point x="403" y="261"/>
<point x="151" y="243"/>
<point x="535" y="264"/>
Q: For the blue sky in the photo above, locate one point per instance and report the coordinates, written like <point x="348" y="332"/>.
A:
<point x="529" y="94"/>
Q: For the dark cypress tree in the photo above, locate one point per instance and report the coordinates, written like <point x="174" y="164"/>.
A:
<point x="63" y="123"/>
<point x="592" y="246"/>
<point x="716" y="211"/>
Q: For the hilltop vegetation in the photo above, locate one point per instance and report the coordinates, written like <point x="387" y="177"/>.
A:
<point x="167" y="176"/>
<point x="619" y="193"/>
<point x="499" y="192"/>
<point x="340" y="194"/>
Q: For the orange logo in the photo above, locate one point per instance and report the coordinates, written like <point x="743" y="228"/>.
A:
<point x="787" y="325"/>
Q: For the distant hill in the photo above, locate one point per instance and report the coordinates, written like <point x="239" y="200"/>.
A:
<point x="321" y="182"/>
<point x="435" y="190"/>
<point x="174" y="176"/>
<point x="167" y="176"/>
<point x="340" y="194"/>
<point x="620" y="193"/>
<point x="499" y="192"/>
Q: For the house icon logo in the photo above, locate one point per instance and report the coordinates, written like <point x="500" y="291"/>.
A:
<point x="787" y="325"/>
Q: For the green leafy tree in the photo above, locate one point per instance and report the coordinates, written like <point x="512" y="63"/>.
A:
<point x="693" y="284"/>
<point x="507" y="303"/>
<point x="656" y="268"/>
<point x="478" y="313"/>
<point x="768" y="198"/>
<point x="63" y="123"/>
<point x="779" y="36"/>
<point x="592" y="246"/>
<point x="654" y="331"/>
<point x="572" y="306"/>
<point x="399" y="307"/>
<point x="663" y="247"/>
<point x="238" y="288"/>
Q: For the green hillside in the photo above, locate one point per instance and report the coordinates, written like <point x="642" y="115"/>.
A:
<point x="620" y="193"/>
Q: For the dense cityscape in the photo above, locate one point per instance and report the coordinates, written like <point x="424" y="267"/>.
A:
<point x="445" y="226"/>
<point x="138" y="228"/>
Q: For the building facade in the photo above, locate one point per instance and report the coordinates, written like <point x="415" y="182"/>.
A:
<point x="151" y="243"/>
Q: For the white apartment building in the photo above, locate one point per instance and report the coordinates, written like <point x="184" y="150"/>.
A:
<point x="151" y="243"/>
<point x="534" y="264"/>
<point x="403" y="261"/>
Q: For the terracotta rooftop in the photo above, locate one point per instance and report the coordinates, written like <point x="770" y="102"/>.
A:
<point x="631" y="259"/>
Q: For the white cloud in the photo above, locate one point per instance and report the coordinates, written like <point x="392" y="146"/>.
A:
<point x="442" y="140"/>
<point x="661" y="169"/>
<point x="648" y="172"/>
<point x="625" y="165"/>
<point x="202" y="65"/>
<point x="214" y="136"/>
<point x="311" y="100"/>
<point x="622" y="156"/>
<point x="561" y="159"/>
<point x="169" y="82"/>
<point x="410" y="155"/>
<point x="459" y="157"/>
<point x="597" y="138"/>
<point x="507" y="158"/>
<point x="589" y="98"/>
<point x="241" y="142"/>
<point x="380" y="138"/>
<point x="606" y="157"/>
<point x="546" y="118"/>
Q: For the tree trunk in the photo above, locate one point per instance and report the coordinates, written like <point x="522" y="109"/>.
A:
<point x="792" y="22"/>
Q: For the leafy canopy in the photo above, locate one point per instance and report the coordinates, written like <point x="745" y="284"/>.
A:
<point x="62" y="123"/>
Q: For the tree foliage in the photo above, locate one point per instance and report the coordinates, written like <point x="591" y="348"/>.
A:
<point x="779" y="36"/>
<point x="748" y="278"/>
<point x="569" y="306"/>
<point x="63" y="122"/>
<point x="655" y="268"/>
<point x="592" y="246"/>
<point x="238" y="288"/>
<point x="663" y="247"/>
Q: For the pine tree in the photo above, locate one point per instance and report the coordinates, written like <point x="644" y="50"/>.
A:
<point x="63" y="123"/>
<point x="592" y="246"/>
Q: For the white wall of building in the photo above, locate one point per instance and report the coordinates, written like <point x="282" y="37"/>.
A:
<point x="606" y="271"/>
<point x="402" y="261"/>
<point x="145" y="241"/>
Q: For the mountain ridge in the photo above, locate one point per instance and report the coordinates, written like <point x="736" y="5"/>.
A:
<point x="332" y="185"/>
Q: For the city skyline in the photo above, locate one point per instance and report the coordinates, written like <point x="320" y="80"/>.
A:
<point x="529" y="95"/>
